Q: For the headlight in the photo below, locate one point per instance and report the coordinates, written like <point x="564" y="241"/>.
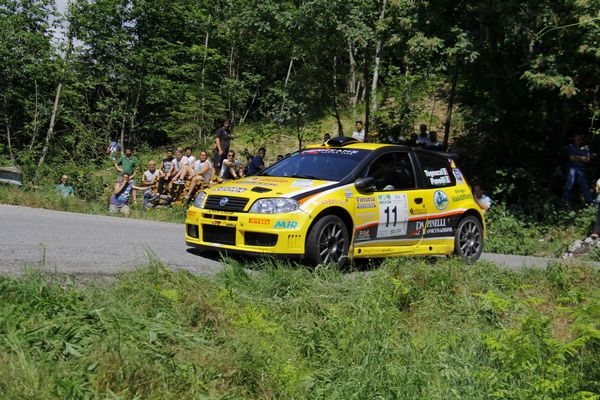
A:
<point x="199" y="199"/>
<point x="274" y="206"/>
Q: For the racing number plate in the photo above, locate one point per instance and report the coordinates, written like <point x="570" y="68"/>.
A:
<point x="393" y="215"/>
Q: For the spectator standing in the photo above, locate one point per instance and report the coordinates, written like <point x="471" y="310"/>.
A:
<point x="579" y="156"/>
<point x="166" y="169"/>
<point x="113" y="148"/>
<point x="433" y="142"/>
<point x="222" y="140"/>
<point x="127" y="163"/>
<point x="359" y="133"/>
<point x="279" y="157"/>
<point x="326" y="137"/>
<point x="258" y="162"/>
<point x="63" y="188"/>
<point x="422" y="136"/>
<point x="119" y="202"/>
<point x="483" y="201"/>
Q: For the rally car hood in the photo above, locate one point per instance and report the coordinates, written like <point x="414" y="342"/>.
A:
<point x="255" y="187"/>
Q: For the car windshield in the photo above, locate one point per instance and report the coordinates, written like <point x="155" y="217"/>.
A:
<point x="324" y="164"/>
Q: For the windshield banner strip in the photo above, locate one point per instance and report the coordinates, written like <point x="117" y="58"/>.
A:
<point x="312" y="191"/>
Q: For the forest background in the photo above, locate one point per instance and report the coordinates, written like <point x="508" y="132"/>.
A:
<point x="514" y="80"/>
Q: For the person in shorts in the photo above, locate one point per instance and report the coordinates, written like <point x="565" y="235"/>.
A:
<point x="231" y="167"/>
<point x="166" y="169"/>
<point x="200" y="174"/>
<point x="119" y="201"/>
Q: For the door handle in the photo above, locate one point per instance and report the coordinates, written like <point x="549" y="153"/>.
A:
<point x="418" y="200"/>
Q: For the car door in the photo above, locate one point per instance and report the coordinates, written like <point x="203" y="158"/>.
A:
<point x="386" y="215"/>
<point x="439" y="185"/>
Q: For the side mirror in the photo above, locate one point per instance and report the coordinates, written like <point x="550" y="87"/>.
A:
<point x="366" y="184"/>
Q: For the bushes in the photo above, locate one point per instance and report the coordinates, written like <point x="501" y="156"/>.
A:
<point x="412" y="329"/>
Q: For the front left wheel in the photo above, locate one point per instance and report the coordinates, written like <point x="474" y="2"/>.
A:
<point x="328" y="242"/>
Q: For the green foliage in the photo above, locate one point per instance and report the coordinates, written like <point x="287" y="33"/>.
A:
<point x="412" y="329"/>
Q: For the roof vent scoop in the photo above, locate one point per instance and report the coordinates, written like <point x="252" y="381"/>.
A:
<point x="341" y="141"/>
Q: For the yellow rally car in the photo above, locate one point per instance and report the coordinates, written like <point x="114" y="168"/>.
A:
<point x="343" y="200"/>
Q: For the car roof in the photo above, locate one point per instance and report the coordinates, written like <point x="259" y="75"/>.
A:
<point x="378" y="146"/>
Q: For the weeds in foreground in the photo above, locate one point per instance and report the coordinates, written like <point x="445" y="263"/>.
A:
<point x="411" y="329"/>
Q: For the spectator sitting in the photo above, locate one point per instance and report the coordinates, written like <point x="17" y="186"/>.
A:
<point x="483" y="201"/>
<point x="167" y="171"/>
<point x="359" y="133"/>
<point x="201" y="174"/>
<point x="258" y="163"/>
<point x="150" y="178"/>
<point x="279" y="157"/>
<point x="177" y="184"/>
<point x="230" y="167"/>
<point x="579" y="155"/>
<point x="188" y="159"/>
<point x="326" y="137"/>
<point x="433" y="142"/>
<point x="119" y="202"/>
<point x="64" y="189"/>
<point x="423" y="138"/>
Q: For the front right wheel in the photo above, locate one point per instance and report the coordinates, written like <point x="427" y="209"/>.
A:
<point x="327" y="242"/>
<point x="468" y="239"/>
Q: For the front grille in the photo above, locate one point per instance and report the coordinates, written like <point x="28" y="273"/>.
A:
<point x="192" y="230"/>
<point x="260" y="239"/>
<point x="233" y="203"/>
<point x="218" y="234"/>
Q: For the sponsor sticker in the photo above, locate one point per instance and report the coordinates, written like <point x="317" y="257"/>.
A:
<point x="286" y="225"/>
<point x="229" y="189"/>
<point x="440" y="199"/>
<point x="461" y="196"/>
<point x="458" y="175"/>
<point x="259" y="221"/>
<point x="418" y="211"/>
<point x="364" y="234"/>
<point x="341" y="152"/>
<point x="332" y="201"/>
<point x="348" y="193"/>
<point x="365" y="202"/>
<point x="438" y="177"/>
<point x="302" y="183"/>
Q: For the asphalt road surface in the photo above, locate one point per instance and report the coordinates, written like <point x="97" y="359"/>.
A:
<point x="101" y="245"/>
<point x="90" y="244"/>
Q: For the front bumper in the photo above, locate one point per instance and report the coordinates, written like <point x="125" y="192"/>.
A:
<point x="278" y="234"/>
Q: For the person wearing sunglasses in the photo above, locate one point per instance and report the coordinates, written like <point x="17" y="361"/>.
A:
<point x="230" y="167"/>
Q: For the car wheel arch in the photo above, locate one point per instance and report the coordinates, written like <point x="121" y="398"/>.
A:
<point x="340" y="212"/>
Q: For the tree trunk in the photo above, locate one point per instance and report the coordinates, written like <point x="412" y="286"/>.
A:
<point x="352" y="86"/>
<point x="8" y="137"/>
<point x="450" y="105"/>
<point x="55" y="106"/>
<point x="335" y="105"/>
<point x="377" y="61"/>
<point x="287" y="79"/>
<point x="202" y="96"/>
<point x="367" y="94"/>
<point x="123" y="132"/>
<point x="36" y="116"/>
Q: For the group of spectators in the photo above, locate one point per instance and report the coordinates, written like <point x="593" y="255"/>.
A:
<point x="178" y="169"/>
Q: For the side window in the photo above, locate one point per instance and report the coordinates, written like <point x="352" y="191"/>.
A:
<point x="393" y="171"/>
<point x="436" y="171"/>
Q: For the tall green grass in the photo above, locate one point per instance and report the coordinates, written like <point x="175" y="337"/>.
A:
<point x="412" y="329"/>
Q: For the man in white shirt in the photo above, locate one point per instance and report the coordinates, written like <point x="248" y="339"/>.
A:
<point x="201" y="173"/>
<point x="188" y="158"/>
<point x="149" y="178"/>
<point x="359" y="133"/>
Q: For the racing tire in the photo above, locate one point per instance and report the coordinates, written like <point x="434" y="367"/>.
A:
<point x="468" y="239"/>
<point x="328" y="242"/>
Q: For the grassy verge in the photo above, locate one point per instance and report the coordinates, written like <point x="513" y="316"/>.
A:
<point x="411" y="329"/>
<point x="48" y="199"/>
<point x="512" y="233"/>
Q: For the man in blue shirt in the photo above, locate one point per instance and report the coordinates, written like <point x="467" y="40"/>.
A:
<point x="579" y="156"/>
<point x="258" y="163"/>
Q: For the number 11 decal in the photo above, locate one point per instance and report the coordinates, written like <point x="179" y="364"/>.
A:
<point x="393" y="215"/>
